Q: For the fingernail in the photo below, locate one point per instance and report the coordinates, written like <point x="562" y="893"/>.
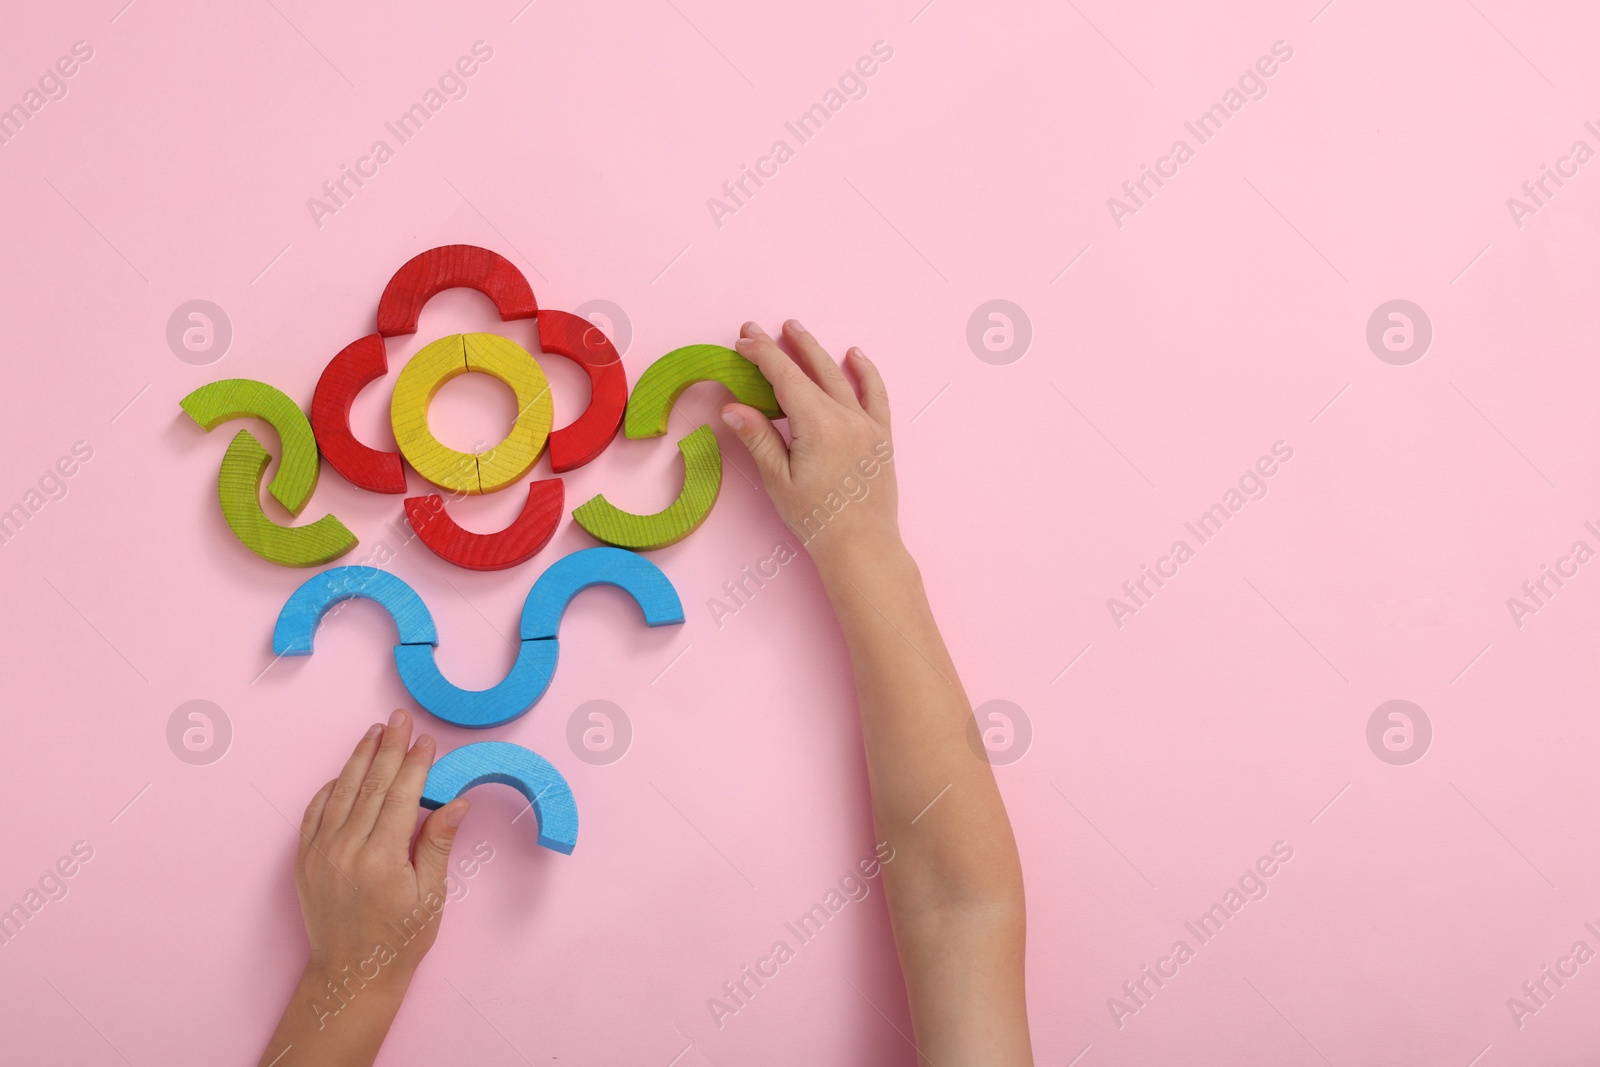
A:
<point x="453" y="817"/>
<point x="794" y="324"/>
<point x="743" y="344"/>
<point x="755" y="328"/>
<point x="374" y="730"/>
<point x="398" y="718"/>
<point x="425" y="740"/>
<point x="734" y="420"/>
<point x="857" y="353"/>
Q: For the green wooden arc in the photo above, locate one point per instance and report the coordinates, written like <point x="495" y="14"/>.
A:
<point x="702" y="480"/>
<point x="659" y="387"/>
<point x="239" y="490"/>
<point x="237" y="398"/>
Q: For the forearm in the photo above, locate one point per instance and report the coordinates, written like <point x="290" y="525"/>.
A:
<point x="954" y="886"/>
<point x="334" y="1020"/>
<point x="934" y="798"/>
<point x="953" y="882"/>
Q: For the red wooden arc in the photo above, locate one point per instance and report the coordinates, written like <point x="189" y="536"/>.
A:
<point x="450" y="267"/>
<point x="346" y="374"/>
<point x="515" y="544"/>
<point x="586" y="344"/>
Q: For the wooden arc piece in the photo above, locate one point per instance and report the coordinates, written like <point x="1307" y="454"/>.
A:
<point x="570" y="575"/>
<point x="447" y="358"/>
<point x="302" y="613"/>
<point x="659" y="387"/>
<point x="702" y="479"/>
<point x="478" y="709"/>
<point x="238" y="398"/>
<point x="239" y="491"/>
<point x="517" y="543"/>
<point x="357" y="364"/>
<point x="509" y="460"/>
<point x="581" y="341"/>
<point x="451" y="267"/>
<point x="523" y="770"/>
<point x="420" y="380"/>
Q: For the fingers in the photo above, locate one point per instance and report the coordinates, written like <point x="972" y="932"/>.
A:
<point x="818" y="364"/>
<point x="797" y="394"/>
<point x="313" y="819"/>
<point x="380" y="775"/>
<point x="432" y="855"/>
<point x="343" y="795"/>
<point x="763" y="441"/>
<point x="874" y="394"/>
<point x="397" y="818"/>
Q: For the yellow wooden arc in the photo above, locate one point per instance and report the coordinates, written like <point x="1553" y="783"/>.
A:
<point x="447" y="358"/>
<point x="509" y="460"/>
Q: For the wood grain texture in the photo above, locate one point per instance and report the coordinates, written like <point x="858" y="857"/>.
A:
<point x="517" y="543"/>
<point x="570" y="575"/>
<point x="357" y="364"/>
<point x="239" y="491"/>
<point x="478" y="709"/>
<point x="702" y="480"/>
<point x="509" y="460"/>
<point x="303" y="611"/>
<point x="659" y="387"/>
<point x="421" y="379"/>
<point x="579" y="340"/>
<point x="523" y="770"/>
<point x="450" y="267"/>
<point x="238" y="398"/>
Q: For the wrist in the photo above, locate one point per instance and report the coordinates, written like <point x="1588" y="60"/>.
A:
<point x="365" y="987"/>
<point x="864" y="561"/>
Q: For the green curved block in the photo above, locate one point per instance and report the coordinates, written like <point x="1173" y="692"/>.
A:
<point x="237" y="398"/>
<point x="702" y="479"/>
<point x="659" y="387"/>
<point x="239" y="490"/>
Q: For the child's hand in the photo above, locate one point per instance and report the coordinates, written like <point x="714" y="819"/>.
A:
<point x="371" y="901"/>
<point x="833" y="484"/>
<point x="360" y="884"/>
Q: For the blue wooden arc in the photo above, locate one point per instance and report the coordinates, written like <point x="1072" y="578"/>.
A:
<point x="477" y="709"/>
<point x="298" y="619"/>
<point x="523" y="770"/>
<point x="577" y="571"/>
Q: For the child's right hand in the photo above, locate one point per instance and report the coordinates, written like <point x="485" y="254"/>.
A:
<point x="834" y="483"/>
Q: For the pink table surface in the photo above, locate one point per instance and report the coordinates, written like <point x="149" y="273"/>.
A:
<point x="1174" y="341"/>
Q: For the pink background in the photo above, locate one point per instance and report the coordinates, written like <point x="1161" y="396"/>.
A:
<point x="1227" y="314"/>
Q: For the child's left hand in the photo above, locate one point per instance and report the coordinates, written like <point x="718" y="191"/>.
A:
<point x="371" y="901"/>
<point x="359" y="879"/>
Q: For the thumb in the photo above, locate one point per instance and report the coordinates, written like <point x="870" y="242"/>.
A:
<point x="762" y="440"/>
<point x="432" y="854"/>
